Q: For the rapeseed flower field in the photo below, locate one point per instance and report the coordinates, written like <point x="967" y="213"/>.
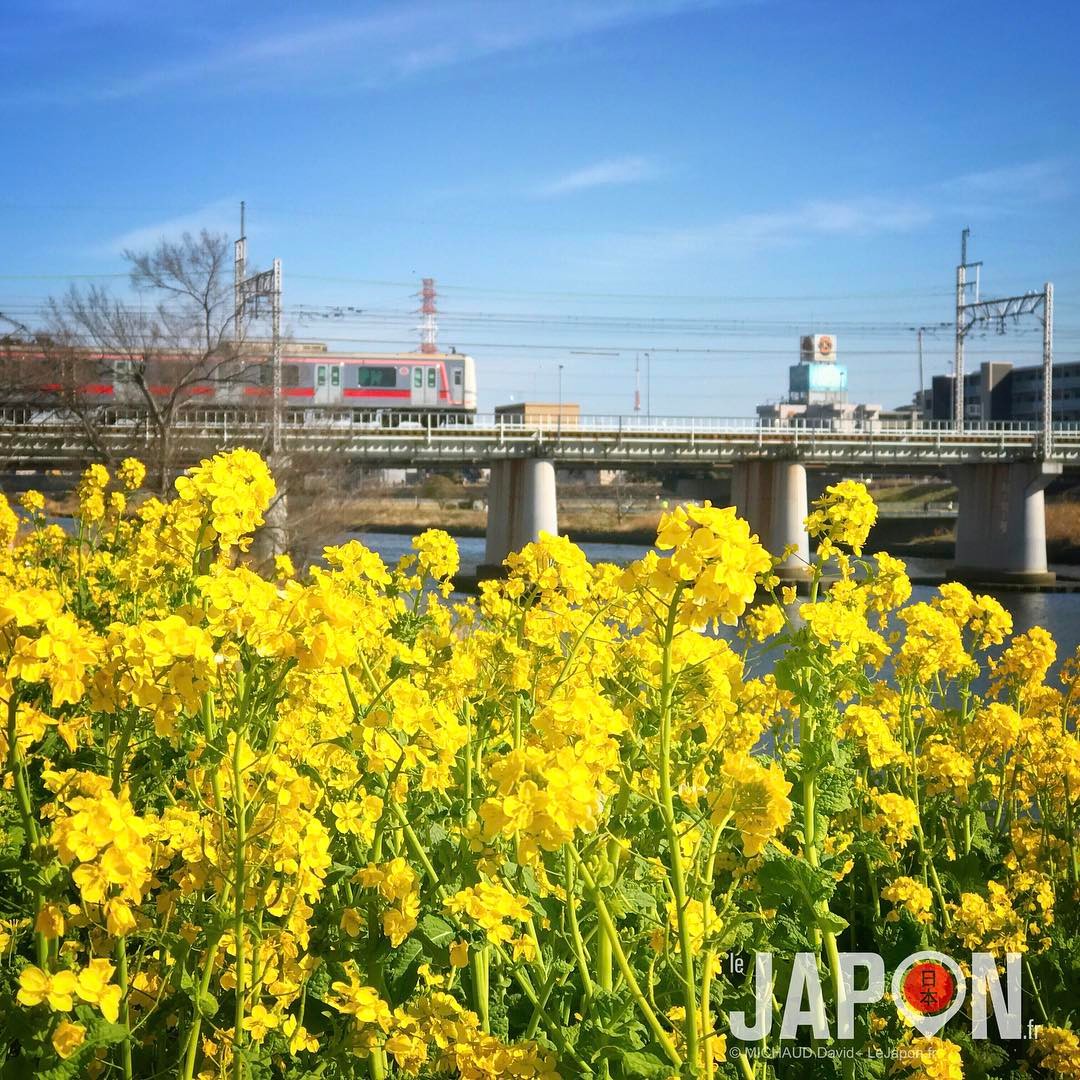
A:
<point x="341" y="825"/>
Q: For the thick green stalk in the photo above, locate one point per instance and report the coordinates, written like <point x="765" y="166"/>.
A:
<point x="26" y="813"/>
<point x="678" y="873"/>
<point x="810" y="853"/>
<point x="125" y="1016"/>
<point x="478" y="968"/>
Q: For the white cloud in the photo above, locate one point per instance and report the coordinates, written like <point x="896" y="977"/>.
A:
<point x="984" y="193"/>
<point x="219" y="216"/>
<point x="1033" y="180"/>
<point x="330" y="53"/>
<point x="613" y="171"/>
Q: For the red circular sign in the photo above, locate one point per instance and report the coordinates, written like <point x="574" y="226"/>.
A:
<point x="929" y="987"/>
<point x="825" y="346"/>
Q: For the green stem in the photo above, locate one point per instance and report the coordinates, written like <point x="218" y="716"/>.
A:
<point x="575" y="929"/>
<point x="196" y="1027"/>
<point x="478" y="968"/>
<point x="607" y="928"/>
<point x="125" y="1019"/>
<point x="238" y="901"/>
<point x="678" y="874"/>
<point x="810" y="851"/>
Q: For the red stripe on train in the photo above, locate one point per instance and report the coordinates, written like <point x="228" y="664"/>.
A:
<point x="368" y="392"/>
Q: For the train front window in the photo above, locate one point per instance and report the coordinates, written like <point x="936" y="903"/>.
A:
<point x="457" y="376"/>
<point x="376" y="376"/>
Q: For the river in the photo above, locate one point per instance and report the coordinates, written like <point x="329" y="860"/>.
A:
<point x="1058" y="612"/>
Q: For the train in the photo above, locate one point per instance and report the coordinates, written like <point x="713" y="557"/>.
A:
<point x="440" y="387"/>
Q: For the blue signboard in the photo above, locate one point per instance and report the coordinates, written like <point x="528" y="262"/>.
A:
<point x="818" y="378"/>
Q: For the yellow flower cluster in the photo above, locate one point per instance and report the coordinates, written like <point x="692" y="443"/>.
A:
<point x="1057" y="1050"/>
<point x="844" y="514"/>
<point x="229" y="493"/>
<point x="491" y="907"/>
<point x="911" y="895"/>
<point x="929" y="1059"/>
<point x="715" y="560"/>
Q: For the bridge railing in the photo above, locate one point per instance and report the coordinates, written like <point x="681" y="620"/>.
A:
<point x="337" y="419"/>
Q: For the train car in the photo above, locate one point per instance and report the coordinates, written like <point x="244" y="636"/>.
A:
<point x="363" y="385"/>
<point x="413" y="382"/>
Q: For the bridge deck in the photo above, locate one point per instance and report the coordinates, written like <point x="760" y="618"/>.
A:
<point x="589" y="441"/>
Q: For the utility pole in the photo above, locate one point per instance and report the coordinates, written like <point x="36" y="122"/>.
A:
<point x="1048" y="368"/>
<point x="958" y="358"/>
<point x="248" y="292"/>
<point x="921" y="381"/>
<point x="275" y="361"/>
<point x="239" y="273"/>
<point x="559" y="421"/>
<point x="648" y="385"/>
<point x="998" y="312"/>
<point x="637" y="382"/>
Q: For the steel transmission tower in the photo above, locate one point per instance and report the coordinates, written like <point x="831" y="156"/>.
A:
<point x="429" y="326"/>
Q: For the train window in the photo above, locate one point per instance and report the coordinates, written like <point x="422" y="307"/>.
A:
<point x="321" y="375"/>
<point x="418" y="377"/>
<point x="457" y="376"/>
<point x="376" y="376"/>
<point x="290" y="374"/>
<point x="335" y="376"/>
<point x="431" y="378"/>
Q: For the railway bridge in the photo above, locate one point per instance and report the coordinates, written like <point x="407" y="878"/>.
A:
<point x="1000" y="469"/>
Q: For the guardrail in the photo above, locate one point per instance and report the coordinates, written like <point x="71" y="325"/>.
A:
<point x="407" y="437"/>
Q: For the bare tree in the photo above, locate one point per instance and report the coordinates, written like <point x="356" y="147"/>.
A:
<point x="158" y="355"/>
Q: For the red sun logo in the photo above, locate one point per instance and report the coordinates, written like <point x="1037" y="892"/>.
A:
<point x="929" y="987"/>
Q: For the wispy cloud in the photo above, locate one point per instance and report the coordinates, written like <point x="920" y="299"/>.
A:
<point x="607" y="173"/>
<point x="1033" y="180"/>
<point x="326" y="52"/>
<point x="218" y="216"/>
<point x="994" y="191"/>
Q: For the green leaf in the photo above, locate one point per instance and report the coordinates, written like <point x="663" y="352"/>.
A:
<point x="399" y="969"/>
<point x="828" y="923"/>
<point x="642" y="1065"/>
<point x="338" y="871"/>
<point x="783" y="879"/>
<point x="439" y="935"/>
<point x="635" y="899"/>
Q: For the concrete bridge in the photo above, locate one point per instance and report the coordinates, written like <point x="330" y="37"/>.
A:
<point x="1000" y="469"/>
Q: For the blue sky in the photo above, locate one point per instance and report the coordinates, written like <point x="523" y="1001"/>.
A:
<point x="586" y="181"/>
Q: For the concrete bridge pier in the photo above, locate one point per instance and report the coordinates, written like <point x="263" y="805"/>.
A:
<point x="1001" y="524"/>
<point x="696" y="489"/>
<point x="771" y="496"/>
<point x="521" y="505"/>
